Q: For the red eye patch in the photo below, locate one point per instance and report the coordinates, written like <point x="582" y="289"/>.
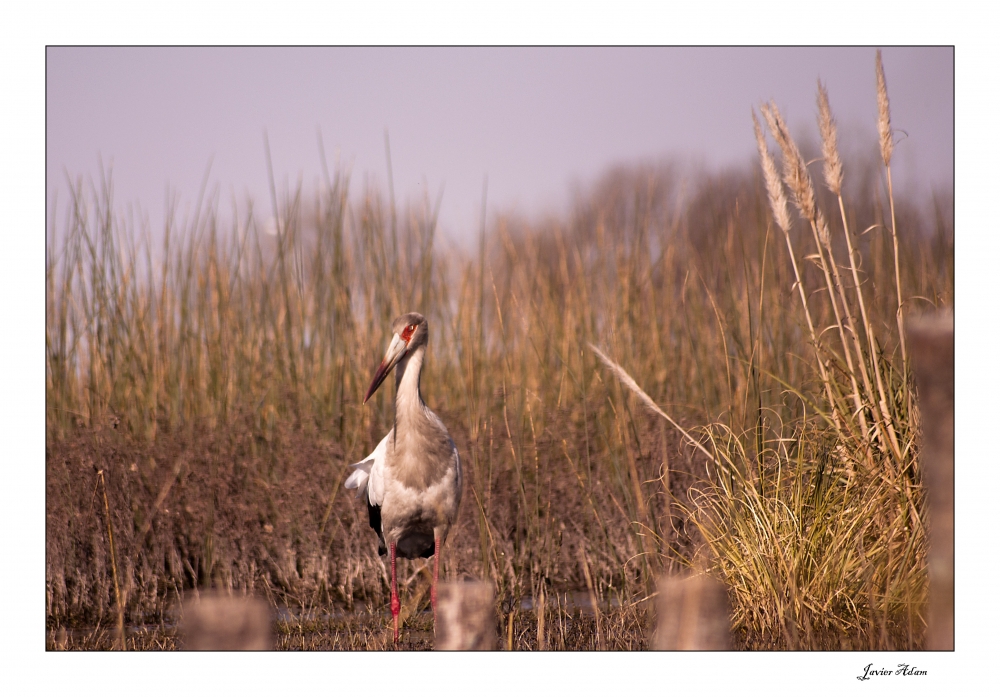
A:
<point x="407" y="333"/>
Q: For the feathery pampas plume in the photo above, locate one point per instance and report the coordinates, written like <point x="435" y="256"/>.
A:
<point x="823" y="230"/>
<point x="775" y="192"/>
<point x="833" y="168"/>
<point x="884" y="129"/>
<point x="794" y="166"/>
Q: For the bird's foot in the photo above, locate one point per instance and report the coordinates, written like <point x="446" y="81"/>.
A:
<point x="394" y="606"/>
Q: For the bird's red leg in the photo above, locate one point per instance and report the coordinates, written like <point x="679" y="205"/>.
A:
<point x="394" y="604"/>
<point x="434" y="585"/>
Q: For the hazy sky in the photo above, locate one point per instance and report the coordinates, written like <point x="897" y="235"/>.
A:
<point x="534" y="120"/>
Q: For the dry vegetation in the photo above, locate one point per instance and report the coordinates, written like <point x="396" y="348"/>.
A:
<point x="215" y="378"/>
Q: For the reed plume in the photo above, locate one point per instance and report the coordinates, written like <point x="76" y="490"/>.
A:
<point x="884" y="127"/>
<point x="775" y="192"/>
<point x="833" y="168"/>
<point x="793" y="165"/>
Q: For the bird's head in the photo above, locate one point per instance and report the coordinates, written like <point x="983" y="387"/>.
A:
<point x="409" y="332"/>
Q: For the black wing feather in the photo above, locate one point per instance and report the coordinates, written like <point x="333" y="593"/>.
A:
<point x="375" y="520"/>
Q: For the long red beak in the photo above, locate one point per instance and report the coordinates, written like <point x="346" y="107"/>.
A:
<point x="397" y="349"/>
<point x="383" y="370"/>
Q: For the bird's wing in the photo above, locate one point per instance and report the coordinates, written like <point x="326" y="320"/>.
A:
<point x="367" y="475"/>
<point x="376" y="482"/>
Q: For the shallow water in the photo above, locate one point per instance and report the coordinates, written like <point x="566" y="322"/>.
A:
<point x="336" y="628"/>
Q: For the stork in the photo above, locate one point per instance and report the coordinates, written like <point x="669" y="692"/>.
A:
<point x="412" y="481"/>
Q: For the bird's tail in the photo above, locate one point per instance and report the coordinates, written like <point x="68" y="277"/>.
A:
<point x="359" y="477"/>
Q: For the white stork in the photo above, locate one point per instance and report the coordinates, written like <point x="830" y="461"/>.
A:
<point x="412" y="481"/>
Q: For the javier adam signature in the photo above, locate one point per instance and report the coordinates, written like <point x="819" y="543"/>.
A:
<point x="901" y="669"/>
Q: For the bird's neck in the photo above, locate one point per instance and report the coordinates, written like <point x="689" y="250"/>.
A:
<point x="409" y="401"/>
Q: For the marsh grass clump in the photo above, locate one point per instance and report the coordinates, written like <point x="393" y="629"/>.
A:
<point x="815" y="515"/>
<point x="214" y="373"/>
